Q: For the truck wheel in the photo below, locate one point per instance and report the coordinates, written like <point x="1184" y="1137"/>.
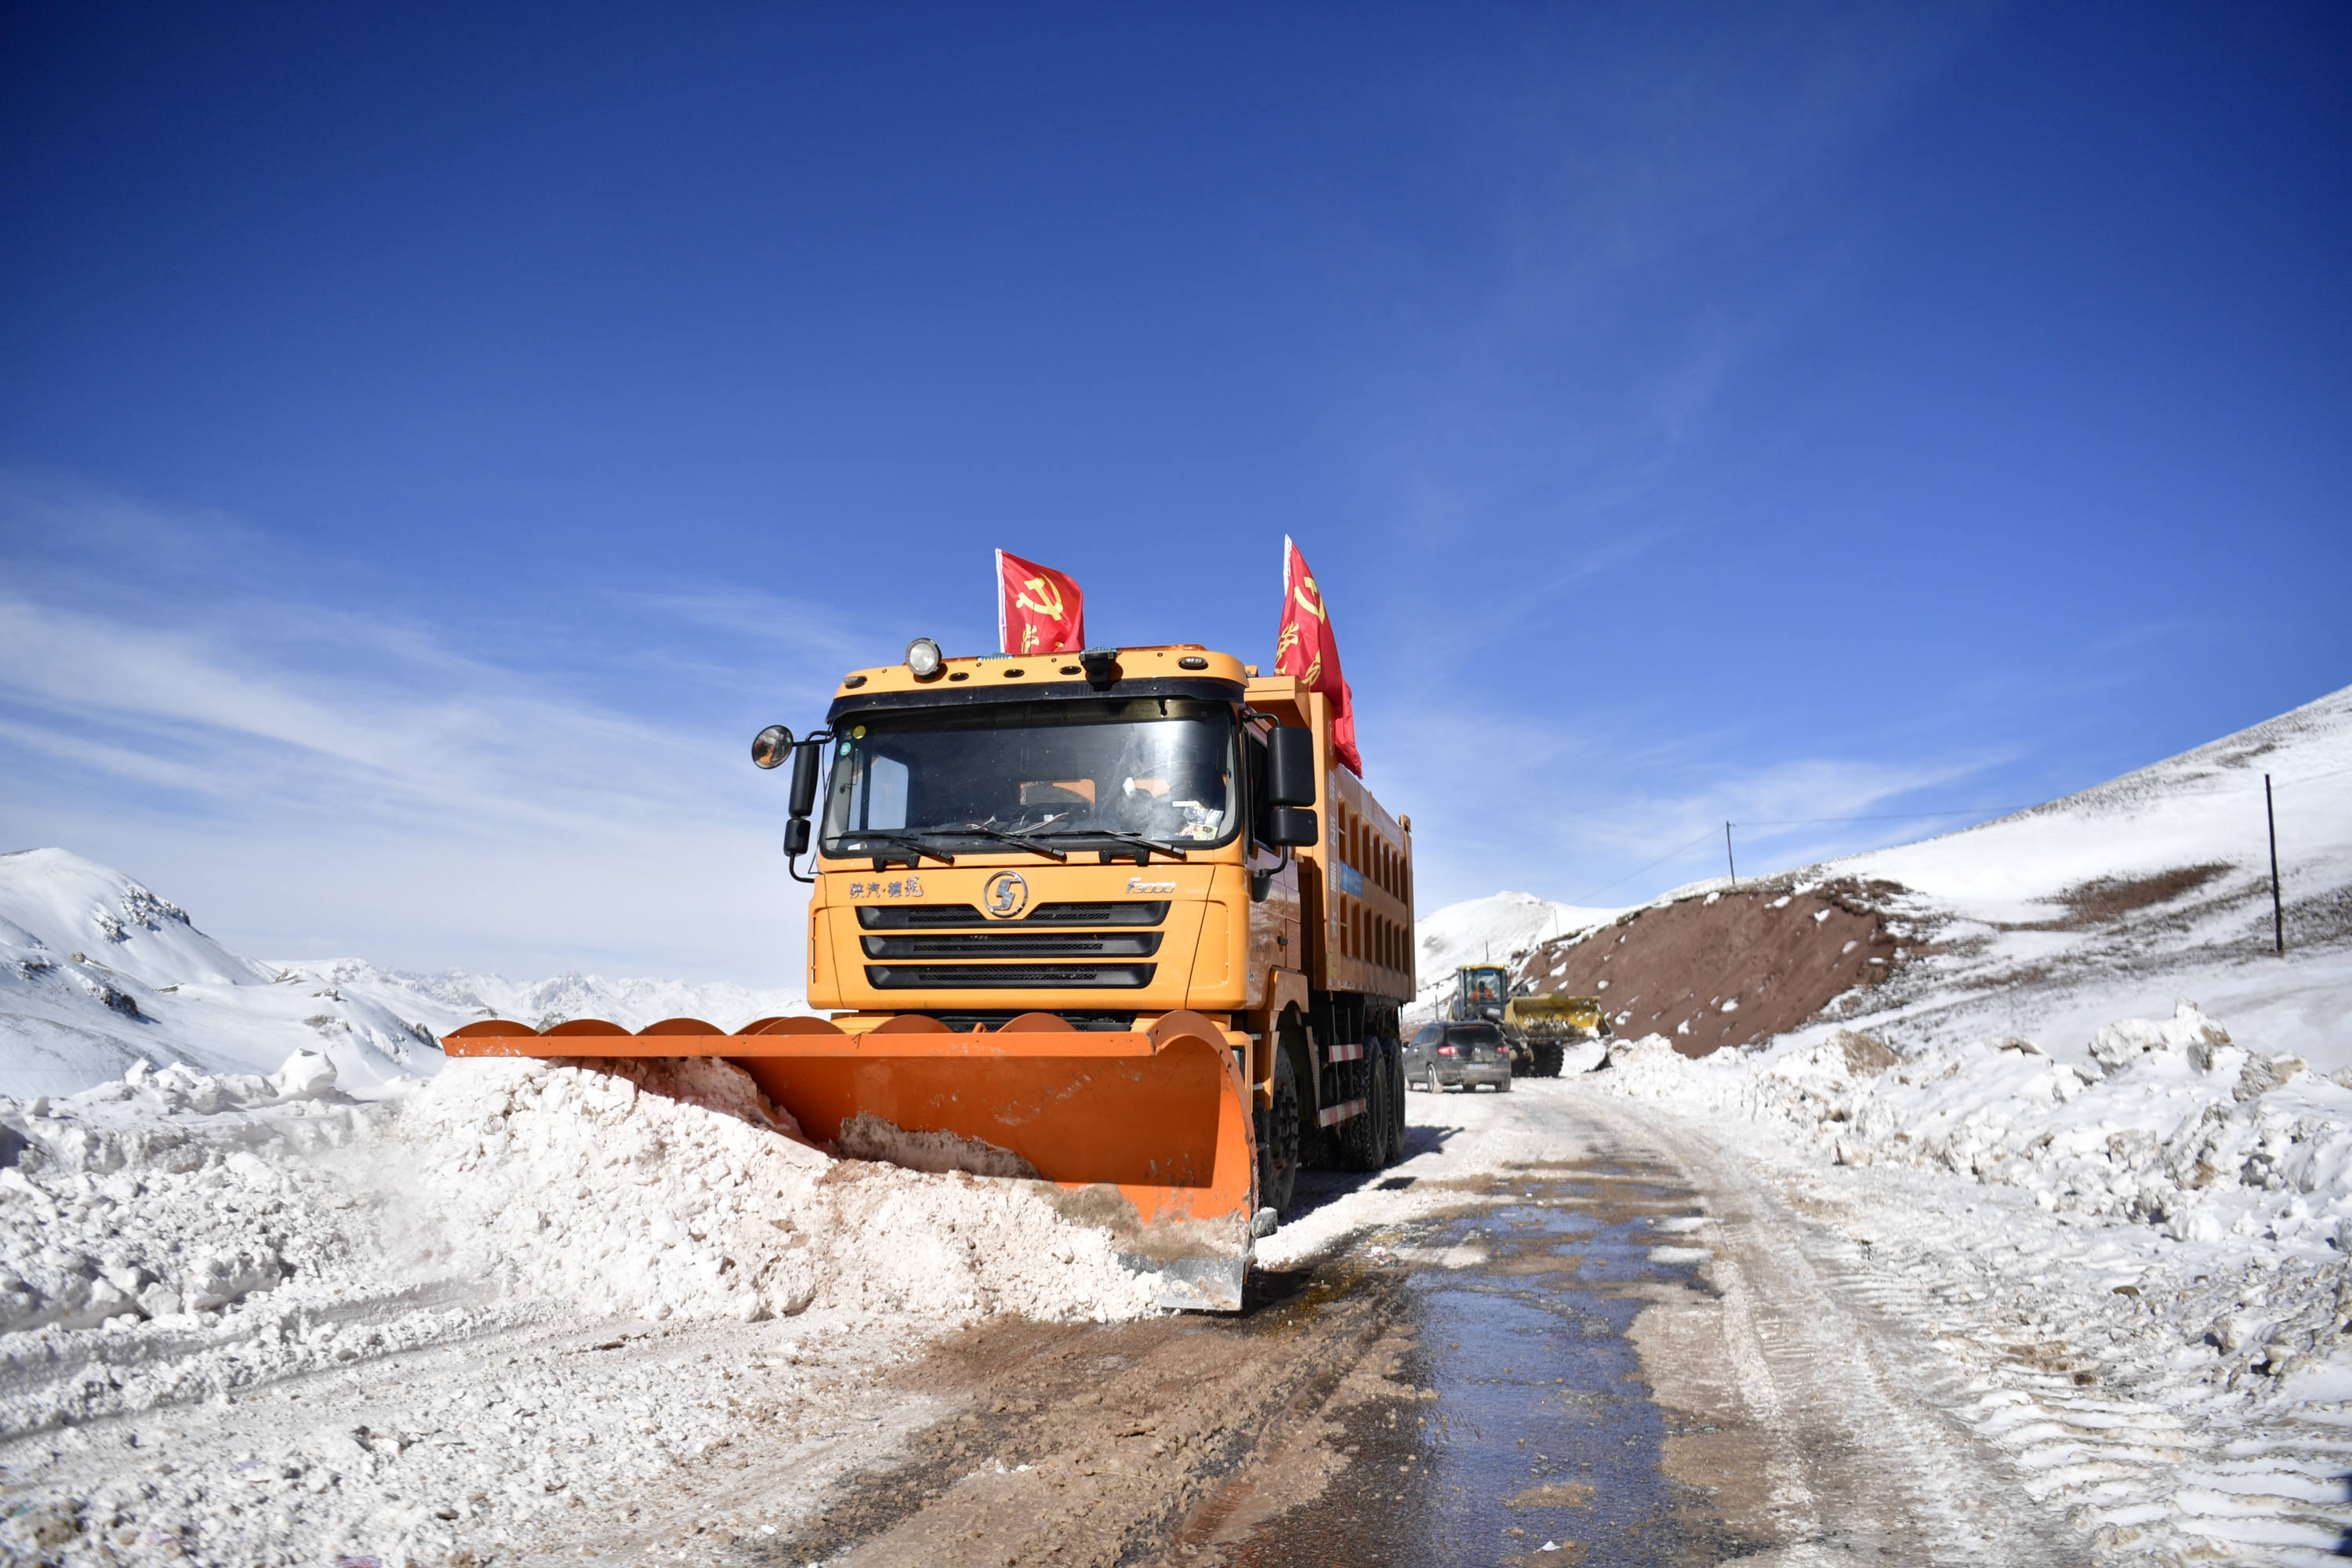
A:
<point x="1549" y="1056"/>
<point x="1364" y="1138"/>
<point x="1277" y="1139"/>
<point x="1393" y="1061"/>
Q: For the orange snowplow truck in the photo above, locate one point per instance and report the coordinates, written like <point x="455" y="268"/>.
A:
<point x="1118" y="918"/>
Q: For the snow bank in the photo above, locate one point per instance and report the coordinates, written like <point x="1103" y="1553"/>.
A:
<point x="660" y="1190"/>
<point x="674" y="1188"/>
<point x="2172" y="1125"/>
<point x="207" y="1247"/>
<point x="138" y="1214"/>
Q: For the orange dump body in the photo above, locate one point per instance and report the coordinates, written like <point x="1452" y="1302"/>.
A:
<point x="1146" y="1132"/>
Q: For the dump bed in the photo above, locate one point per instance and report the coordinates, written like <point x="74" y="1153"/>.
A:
<point x="1356" y="886"/>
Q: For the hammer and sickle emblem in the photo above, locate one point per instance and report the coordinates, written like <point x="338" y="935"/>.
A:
<point x="1048" y="603"/>
<point x="1006" y="895"/>
<point x="1310" y="598"/>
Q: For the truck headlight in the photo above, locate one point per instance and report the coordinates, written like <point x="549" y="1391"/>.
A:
<point x="923" y="658"/>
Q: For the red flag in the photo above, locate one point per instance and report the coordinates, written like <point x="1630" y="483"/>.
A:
<point x="1304" y="648"/>
<point x="1038" y="610"/>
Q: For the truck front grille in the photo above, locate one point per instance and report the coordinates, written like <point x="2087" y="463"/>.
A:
<point x="947" y="916"/>
<point x="1009" y="976"/>
<point x="1014" y="944"/>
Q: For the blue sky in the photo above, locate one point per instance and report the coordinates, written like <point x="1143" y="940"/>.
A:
<point x="432" y="441"/>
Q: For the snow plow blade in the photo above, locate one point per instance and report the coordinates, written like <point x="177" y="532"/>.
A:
<point x="1147" y="1134"/>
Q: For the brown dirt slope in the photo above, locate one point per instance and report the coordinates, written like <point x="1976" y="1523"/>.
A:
<point x="1716" y="972"/>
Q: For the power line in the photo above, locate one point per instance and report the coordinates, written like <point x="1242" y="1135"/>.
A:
<point x="1886" y="816"/>
<point x="1908" y="816"/>
<point x="1660" y="860"/>
<point x="2005" y="810"/>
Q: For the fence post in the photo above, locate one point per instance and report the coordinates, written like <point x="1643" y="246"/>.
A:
<point x="2278" y="909"/>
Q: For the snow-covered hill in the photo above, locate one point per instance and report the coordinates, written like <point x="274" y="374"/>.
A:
<point x="1490" y="930"/>
<point x="2114" y="902"/>
<point x="2052" y="923"/>
<point x="98" y="973"/>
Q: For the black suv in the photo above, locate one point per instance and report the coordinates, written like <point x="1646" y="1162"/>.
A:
<point x="1463" y="1054"/>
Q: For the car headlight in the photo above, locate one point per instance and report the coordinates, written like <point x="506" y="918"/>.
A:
<point x="923" y="658"/>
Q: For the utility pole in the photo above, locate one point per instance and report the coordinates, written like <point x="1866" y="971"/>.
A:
<point x="2278" y="909"/>
<point x="1727" y="860"/>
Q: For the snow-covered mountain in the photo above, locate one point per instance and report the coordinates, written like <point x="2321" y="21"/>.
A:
<point x="97" y="974"/>
<point x="633" y="1003"/>
<point x="1490" y="930"/>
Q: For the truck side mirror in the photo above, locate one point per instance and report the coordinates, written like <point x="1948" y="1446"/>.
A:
<point x="796" y="837"/>
<point x="806" y="763"/>
<point x="1291" y="827"/>
<point x="769" y="746"/>
<point x="1290" y="775"/>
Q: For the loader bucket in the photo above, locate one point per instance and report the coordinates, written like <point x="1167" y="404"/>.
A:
<point x="1147" y="1134"/>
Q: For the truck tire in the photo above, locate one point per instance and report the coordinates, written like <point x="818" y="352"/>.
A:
<point x="1549" y="1055"/>
<point x="1393" y="1061"/>
<point x="1363" y="1139"/>
<point x="1277" y="1139"/>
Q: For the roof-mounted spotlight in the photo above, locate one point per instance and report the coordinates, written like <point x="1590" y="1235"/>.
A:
<point x="923" y="659"/>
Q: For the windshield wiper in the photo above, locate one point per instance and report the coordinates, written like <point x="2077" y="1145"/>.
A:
<point x="1003" y="835"/>
<point x="914" y="841"/>
<point x="1124" y="837"/>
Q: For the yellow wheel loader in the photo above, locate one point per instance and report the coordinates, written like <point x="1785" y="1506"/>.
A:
<point x="1118" y="917"/>
<point x="1551" y="1023"/>
<point x="1540" y="1028"/>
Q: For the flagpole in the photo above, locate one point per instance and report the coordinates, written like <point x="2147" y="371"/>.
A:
<point x="1000" y="603"/>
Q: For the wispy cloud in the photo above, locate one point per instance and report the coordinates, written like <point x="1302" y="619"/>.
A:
<point x="1569" y="806"/>
<point x="235" y="731"/>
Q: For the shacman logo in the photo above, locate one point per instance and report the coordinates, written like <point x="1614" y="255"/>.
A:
<point x="1006" y="895"/>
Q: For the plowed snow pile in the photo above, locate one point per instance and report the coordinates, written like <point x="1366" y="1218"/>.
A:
<point x="177" y="1239"/>
<point x="2148" y="1302"/>
<point x="675" y="1188"/>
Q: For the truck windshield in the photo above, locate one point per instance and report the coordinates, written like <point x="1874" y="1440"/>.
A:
<point x="1157" y="768"/>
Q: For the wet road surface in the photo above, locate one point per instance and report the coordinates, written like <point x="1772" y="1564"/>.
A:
<point x="1532" y="1436"/>
<point x="1611" y="1352"/>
